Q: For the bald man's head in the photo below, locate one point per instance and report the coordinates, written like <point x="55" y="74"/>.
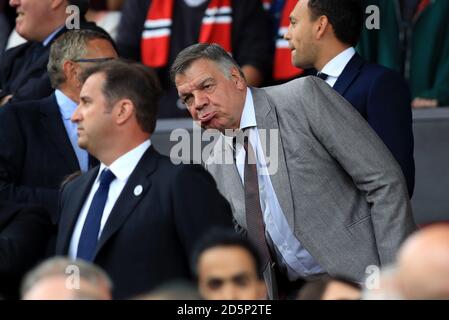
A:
<point x="423" y="264"/>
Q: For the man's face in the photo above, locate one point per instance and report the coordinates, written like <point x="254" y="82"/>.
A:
<point x="32" y="18"/>
<point x="93" y="116"/>
<point x="300" y="36"/>
<point x="212" y="98"/>
<point x="229" y="273"/>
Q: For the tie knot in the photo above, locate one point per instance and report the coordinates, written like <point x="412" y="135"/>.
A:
<point x="241" y="138"/>
<point x="322" y="76"/>
<point x="106" y="177"/>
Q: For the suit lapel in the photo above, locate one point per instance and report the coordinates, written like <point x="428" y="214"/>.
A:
<point x="349" y="74"/>
<point x="83" y="186"/>
<point x="230" y="178"/>
<point x="52" y="123"/>
<point x="266" y="119"/>
<point x="128" y="201"/>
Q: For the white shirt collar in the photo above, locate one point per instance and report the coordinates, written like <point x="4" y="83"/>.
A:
<point x="248" y="118"/>
<point x="125" y="165"/>
<point x="335" y="67"/>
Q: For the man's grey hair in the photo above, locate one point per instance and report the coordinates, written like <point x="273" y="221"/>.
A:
<point x="212" y="52"/>
<point x="60" y="266"/>
<point x="71" y="45"/>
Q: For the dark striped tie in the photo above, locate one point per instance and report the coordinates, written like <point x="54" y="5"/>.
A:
<point x="254" y="217"/>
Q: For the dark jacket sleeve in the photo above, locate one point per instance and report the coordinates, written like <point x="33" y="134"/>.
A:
<point x="389" y="114"/>
<point x="12" y="153"/>
<point x="23" y="243"/>
<point x="251" y="35"/>
<point x="134" y="13"/>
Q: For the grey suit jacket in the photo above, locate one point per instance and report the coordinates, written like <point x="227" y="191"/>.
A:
<point x="342" y="192"/>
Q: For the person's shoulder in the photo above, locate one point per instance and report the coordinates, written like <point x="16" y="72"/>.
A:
<point x="376" y="71"/>
<point x="27" y="109"/>
<point x="15" y="51"/>
<point x="289" y="94"/>
<point x="292" y="85"/>
<point x="72" y="182"/>
<point x="174" y="167"/>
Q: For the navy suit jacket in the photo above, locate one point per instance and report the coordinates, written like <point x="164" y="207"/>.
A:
<point x="24" y="234"/>
<point x="35" y="153"/>
<point x="149" y="237"/>
<point x="25" y="78"/>
<point x="383" y="98"/>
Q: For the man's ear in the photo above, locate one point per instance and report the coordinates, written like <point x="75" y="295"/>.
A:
<point x="123" y="110"/>
<point x="54" y="4"/>
<point x="322" y="24"/>
<point x="237" y="78"/>
<point x="71" y="70"/>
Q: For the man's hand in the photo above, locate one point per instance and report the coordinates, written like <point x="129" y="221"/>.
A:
<point x="4" y="100"/>
<point x="421" y="103"/>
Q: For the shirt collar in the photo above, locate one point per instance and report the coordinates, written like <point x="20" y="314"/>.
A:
<point x="51" y="36"/>
<point x="248" y="118"/>
<point x="66" y="105"/>
<point x="335" y="67"/>
<point x="125" y="165"/>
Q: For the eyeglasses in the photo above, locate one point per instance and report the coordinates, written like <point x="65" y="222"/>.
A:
<point x="93" y="60"/>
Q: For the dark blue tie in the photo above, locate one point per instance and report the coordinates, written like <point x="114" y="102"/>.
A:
<point x="89" y="236"/>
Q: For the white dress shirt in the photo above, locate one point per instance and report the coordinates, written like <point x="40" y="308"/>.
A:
<point x="122" y="169"/>
<point x="335" y="67"/>
<point x="296" y="259"/>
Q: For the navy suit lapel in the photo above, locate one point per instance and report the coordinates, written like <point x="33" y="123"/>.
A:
<point x="128" y="201"/>
<point x="57" y="134"/>
<point x="82" y="186"/>
<point x="349" y="74"/>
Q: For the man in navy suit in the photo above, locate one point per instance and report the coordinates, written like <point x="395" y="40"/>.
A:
<point x="137" y="215"/>
<point x="23" y="69"/>
<point x="38" y="142"/>
<point x="322" y="34"/>
<point x="24" y="233"/>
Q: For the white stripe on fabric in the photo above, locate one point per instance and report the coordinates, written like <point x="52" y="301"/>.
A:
<point x="221" y="10"/>
<point x="281" y="43"/>
<point x="283" y="31"/>
<point x="158" y="23"/>
<point x="156" y="33"/>
<point x="217" y="20"/>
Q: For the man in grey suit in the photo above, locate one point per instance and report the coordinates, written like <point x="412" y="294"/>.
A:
<point x="331" y="199"/>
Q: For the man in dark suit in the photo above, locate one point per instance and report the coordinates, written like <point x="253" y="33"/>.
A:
<point x="322" y="35"/>
<point x="38" y="142"/>
<point x="137" y="215"/>
<point x="23" y="69"/>
<point x="24" y="233"/>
